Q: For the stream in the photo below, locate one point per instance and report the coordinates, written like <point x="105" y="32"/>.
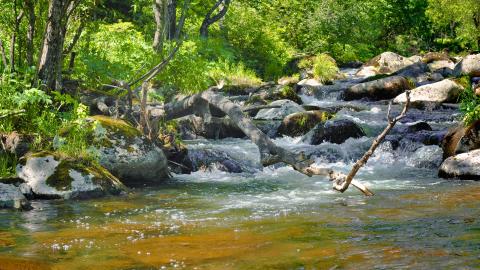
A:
<point x="270" y="219"/>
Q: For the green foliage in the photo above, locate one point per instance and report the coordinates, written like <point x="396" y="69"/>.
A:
<point x="8" y="163"/>
<point x="470" y="106"/>
<point x="323" y="66"/>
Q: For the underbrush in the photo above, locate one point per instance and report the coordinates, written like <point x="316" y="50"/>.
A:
<point x="323" y="66"/>
<point x="470" y="106"/>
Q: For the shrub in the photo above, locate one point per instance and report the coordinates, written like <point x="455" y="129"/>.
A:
<point x="323" y="66"/>
<point x="470" y="106"/>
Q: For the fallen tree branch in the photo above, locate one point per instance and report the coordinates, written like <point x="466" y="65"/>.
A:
<point x="342" y="182"/>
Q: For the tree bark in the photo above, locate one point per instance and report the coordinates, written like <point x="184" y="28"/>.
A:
<point x="51" y="58"/>
<point x="4" y="55"/>
<point x="13" y="41"/>
<point x="160" y="12"/>
<point x="30" y="9"/>
<point x="209" y="19"/>
<point x="171" y="19"/>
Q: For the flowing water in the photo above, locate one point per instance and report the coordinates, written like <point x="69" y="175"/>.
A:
<point x="270" y="219"/>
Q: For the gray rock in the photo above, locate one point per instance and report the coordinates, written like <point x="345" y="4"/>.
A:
<point x="208" y="159"/>
<point x="389" y="62"/>
<point x="436" y="65"/>
<point x="335" y="131"/>
<point x="193" y="127"/>
<point x="128" y="155"/>
<point x="461" y="139"/>
<point x="298" y="124"/>
<point x="12" y="198"/>
<point x="286" y="107"/>
<point x="49" y="176"/>
<point x="463" y="166"/>
<point x="470" y="65"/>
<point x="385" y="88"/>
<point x="439" y="92"/>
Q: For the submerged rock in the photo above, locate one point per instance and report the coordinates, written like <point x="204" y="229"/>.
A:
<point x="12" y="198"/>
<point x="127" y="154"/>
<point x="463" y="166"/>
<point x="298" y="124"/>
<point x="470" y="66"/>
<point x="440" y="92"/>
<point x="334" y="131"/>
<point x="461" y="139"/>
<point x="385" y="88"/>
<point x="49" y="176"/>
<point x="287" y="107"/>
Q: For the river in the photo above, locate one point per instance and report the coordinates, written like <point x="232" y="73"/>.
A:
<point x="270" y="219"/>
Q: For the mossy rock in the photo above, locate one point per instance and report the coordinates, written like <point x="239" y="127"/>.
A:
<point x="117" y="126"/>
<point x="300" y="123"/>
<point x="51" y="176"/>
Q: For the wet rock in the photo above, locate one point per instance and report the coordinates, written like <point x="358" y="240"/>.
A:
<point x="12" y="198"/>
<point x="461" y="139"/>
<point x="412" y="128"/>
<point x="425" y="137"/>
<point x="49" y="176"/>
<point x="415" y="71"/>
<point x="279" y="92"/>
<point x="440" y="92"/>
<point x="208" y="159"/>
<point x="287" y="107"/>
<point x="352" y="64"/>
<point x="127" y="154"/>
<point x="385" y="88"/>
<point x="269" y="127"/>
<point x="298" y="124"/>
<point x="367" y="71"/>
<point x="310" y="82"/>
<point x="192" y="127"/>
<point x="464" y="166"/>
<point x="334" y="131"/>
<point x="389" y="62"/>
<point x="470" y="66"/>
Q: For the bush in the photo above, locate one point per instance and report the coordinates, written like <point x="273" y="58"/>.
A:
<point x="323" y="66"/>
<point x="470" y="106"/>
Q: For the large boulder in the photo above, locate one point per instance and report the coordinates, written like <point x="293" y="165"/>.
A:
<point x="268" y="93"/>
<point x="385" y="88"/>
<point x="47" y="175"/>
<point x="286" y="107"/>
<point x="461" y="139"/>
<point x="389" y="62"/>
<point x="431" y="57"/>
<point x="12" y="198"/>
<point x="298" y="124"/>
<point x="440" y="65"/>
<point x="463" y="166"/>
<point x="334" y="131"/>
<point x="439" y="92"/>
<point x="470" y="65"/>
<point x="194" y="127"/>
<point x="127" y="154"/>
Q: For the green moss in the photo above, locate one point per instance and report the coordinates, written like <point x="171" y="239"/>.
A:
<point x="61" y="179"/>
<point x="464" y="81"/>
<point x="117" y="125"/>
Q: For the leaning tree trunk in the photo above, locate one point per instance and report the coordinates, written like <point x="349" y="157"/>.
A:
<point x="211" y="19"/>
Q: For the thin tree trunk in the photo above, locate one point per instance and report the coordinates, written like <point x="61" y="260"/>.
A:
<point x="160" y="12"/>
<point x="30" y="7"/>
<point x="171" y="19"/>
<point x="13" y="40"/>
<point x="4" y="55"/>
<point x="209" y="19"/>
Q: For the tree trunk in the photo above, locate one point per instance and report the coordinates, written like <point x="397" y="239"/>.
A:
<point x="209" y="19"/>
<point x="171" y="19"/>
<point x="160" y="11"/>
<point x="13" y="41"/>
<point x="30" y="8"/>
<point x="4" y="55"/>
<point x="51" y="57"/>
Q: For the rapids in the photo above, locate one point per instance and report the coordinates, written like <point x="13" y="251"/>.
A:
<point x="273" y="218"/>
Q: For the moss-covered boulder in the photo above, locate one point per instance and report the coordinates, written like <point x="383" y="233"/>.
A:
<point x="50" y="176"/>
<point x="300" y="123"/>
<point x="127" y="154"/>
<point x="12" y="198"/>
<point x="285" y="107"/>
<point x="266" y="95"/>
